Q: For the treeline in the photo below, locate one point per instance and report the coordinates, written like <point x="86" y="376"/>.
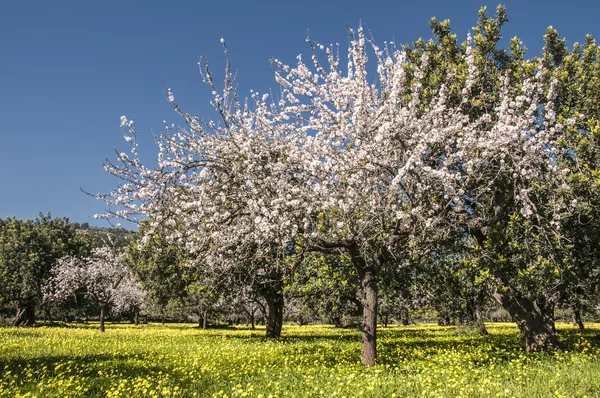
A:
<point x="61" y="271"/>
<point x="30" y="249"/>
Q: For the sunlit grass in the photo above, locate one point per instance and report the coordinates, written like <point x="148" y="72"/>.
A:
<point x="183" y="361"/>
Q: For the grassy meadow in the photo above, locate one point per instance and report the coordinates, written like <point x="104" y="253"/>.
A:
<point x="309" y="361"/>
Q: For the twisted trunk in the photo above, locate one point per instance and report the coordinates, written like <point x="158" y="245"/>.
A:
<point x="274" y="319"/>
<point x="272" y="292"/>
<point x="476" y="314"/>
<point x="479" y="321"/>
<point x="25" y="315"/>
<point x="577" y="321"/>
<point x="368" y="273"/>
<point x="535" y="320"/>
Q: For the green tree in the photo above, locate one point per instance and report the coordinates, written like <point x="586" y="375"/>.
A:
<point x="530" y="264"/>
<point x="327" y="287"/>
<point x="28" y="250"/>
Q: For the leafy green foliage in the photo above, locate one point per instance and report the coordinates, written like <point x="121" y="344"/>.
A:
<point x="327" y="287"/>
<point x="28" y="250"/>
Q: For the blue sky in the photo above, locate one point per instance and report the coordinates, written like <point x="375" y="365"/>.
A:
<point x="70" y="69"/>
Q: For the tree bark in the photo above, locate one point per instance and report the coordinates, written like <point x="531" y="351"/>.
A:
<point x="535" y="322"/>
<point x="204" y="319"/>
<point x="475" y="308"/>
<point x="480" y="323"/>
<point x="102" y="310"/>
<point x="337" y="321"/>
<point x="271" y="289"/>
<point x="47" y="315"/>
<point x="274" y="319"/>
<point x="577" y="321"/>
<point x="405" y="318"/>
<point x="368" y="274"/>
<point x="369" y="325"/>
<point x="386" y="319"/>
<point x="25" y="315"/>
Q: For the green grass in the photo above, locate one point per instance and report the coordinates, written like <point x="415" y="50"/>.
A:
<point x="183" y="361"/>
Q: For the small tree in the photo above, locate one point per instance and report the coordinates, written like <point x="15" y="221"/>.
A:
<point x="129" y="299"/>
<point x="102" y="276"/>
<point x="28" y="250"/>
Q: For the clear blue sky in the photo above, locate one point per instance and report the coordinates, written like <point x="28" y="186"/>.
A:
<point x="70" y="69"/>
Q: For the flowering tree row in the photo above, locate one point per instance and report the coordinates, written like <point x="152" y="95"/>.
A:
<point x="101" y="276"/>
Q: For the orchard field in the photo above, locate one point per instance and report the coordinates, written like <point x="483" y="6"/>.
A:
<point x="179" y="360"/>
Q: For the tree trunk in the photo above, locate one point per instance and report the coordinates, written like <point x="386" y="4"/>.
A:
<point x="47" y="315"/>
<point x="301" y="321"/>
<point x="535" y="322"/>
<point x="405" y="318"/>
<point x="102" y="310"/>
<point x="272" y="291"/>
<point x="475" y="305"/>
<point x="25" y="315"/>
<point x="368" y="274"/>
<point x="386" y="319"/>
<point x="204" y="319"/>
<point x="577" y="321"/>
<point x="137" y="317"/>
<point x="274" y="319"/>
<point x="369" y="326"/>
<point x="252" y="321"/>
<point x="337" y="321"/>
<point x="480" y="325"/>
<point x="263" y="314"/>
<point x="444" y="320"/>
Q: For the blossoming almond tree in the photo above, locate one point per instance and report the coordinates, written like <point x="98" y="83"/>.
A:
<point x="102" y="276"/>
<point x="339" y="162"/>
<point x="393" y="166"/>
<point x="129" y="299"/>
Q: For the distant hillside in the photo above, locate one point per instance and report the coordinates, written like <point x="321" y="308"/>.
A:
<point x="120" y="236"/>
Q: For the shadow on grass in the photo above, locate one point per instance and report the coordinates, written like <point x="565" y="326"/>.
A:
<point x="86" y="365"/>
<point x="446" y="336"/>
<point x="504" y="342"/>
<point x="100" y="372"/>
